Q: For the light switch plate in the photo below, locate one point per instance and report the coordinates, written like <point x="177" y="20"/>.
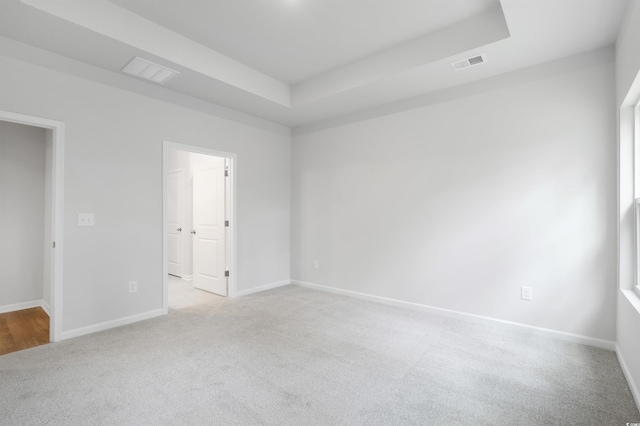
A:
<point x="86" y="219"/>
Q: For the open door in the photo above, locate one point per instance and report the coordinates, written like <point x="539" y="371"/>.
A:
<point x="209" y="262"/>
<point x="174" y="221"/>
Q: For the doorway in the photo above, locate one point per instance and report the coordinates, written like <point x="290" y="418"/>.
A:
<point x="198" y="219"/>
<point x="50" y="233"/>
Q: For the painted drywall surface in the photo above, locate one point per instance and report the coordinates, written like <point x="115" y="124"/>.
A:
<point x="628" y="86"/>
<point x="628" y="50"/>
<point x="457" y="205"/>
<point x="113" y="168"/>
<point x="628" y="335"/>
<point x="22" y="186"/>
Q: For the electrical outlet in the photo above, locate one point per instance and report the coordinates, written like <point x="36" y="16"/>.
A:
<point x="527" y="293"/>
<point x="133" y="286"/>
<point x="86" y="219"/>
<point x="315" y="264"/>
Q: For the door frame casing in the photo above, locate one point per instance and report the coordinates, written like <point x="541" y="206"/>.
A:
<point x="231" y="199"/>
<point x="57" y="212"/>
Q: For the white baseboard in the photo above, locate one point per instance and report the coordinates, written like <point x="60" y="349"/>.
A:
<point x="262" y="288"/>
<point x="187" y="277"/>
<point x="45" y="307"/>
<point x="111" y="324"/>
<point x="20" y="306"/>
<point x="635" y="391"/>
<point x="570" y="337"/>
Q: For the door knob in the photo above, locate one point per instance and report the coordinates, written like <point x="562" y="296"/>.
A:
<point x="179" y="229"/>
<point x="193" y="232"/>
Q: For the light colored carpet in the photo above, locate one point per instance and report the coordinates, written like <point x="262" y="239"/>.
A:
<point x="294" y="356"/>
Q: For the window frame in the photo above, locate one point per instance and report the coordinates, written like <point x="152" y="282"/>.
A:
<point x="636" y="287"/>
<point x="636" y="188"/>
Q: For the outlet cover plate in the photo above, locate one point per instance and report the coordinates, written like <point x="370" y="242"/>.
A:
<point x="86" y="219"/>
<point x="527" y="293"/>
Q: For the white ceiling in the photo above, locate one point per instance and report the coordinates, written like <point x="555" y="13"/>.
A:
<point x="294" y="40"/>
<point x="299" y="62"/>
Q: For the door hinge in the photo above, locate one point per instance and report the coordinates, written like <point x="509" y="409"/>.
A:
<point x="54" y="244"/>
<point x="226" y="273"/>
<point x="226" y="172"/>
<point x="226" y="223"/>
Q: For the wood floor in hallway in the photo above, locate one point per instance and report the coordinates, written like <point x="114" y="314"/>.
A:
<point x="23" y="329"/>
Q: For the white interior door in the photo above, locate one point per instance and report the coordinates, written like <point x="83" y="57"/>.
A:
<point x="174" y="223"/>
<point x="209" y="228"/>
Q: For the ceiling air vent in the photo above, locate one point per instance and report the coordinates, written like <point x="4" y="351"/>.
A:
<point x="149" y="71"/>
<point x="469" y="62"/>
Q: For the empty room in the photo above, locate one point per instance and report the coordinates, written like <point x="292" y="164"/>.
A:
<point x="323" y="212"/>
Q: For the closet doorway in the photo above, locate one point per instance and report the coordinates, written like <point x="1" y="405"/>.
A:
<point x="32" y="179"/>
<point x="198" y="225"/>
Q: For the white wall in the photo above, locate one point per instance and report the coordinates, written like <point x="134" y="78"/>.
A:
<point x="458" y="204"/>
<point x="628" y="94"/>
<point x="113" y="168"/>
<point x="22" y="213"/>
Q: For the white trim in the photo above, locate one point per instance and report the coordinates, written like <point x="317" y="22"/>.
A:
<point x="570" y="337"/>
<point x="111" y="324"/>
<point x="21" y="306"/>
<point x="166" y="146"/>
<point x="187" y="277"/>
<point x="636" y="223"/>
<point x="27" y="305"/>
<point x="633" y="298"/>
<point x="57" y="211"/>
<point x="46" y="308"/>
<point x="263" y="288"/>
<point x="635" y="391"/>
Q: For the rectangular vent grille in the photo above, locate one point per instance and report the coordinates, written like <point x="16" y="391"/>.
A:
<point x="149" y="71"/>
<point x="469" y="62"/>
